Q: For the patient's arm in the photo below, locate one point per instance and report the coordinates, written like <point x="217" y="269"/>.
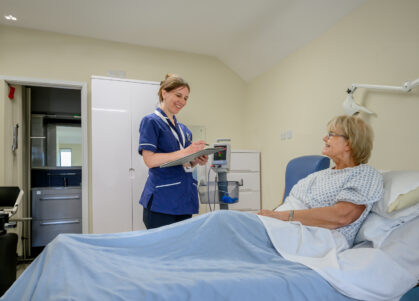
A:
<point x="332" y="217"/>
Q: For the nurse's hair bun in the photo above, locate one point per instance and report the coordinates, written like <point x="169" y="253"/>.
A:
<point x="171" y="75"/>
<point x="167" y="76"/>
<point x="172" y="81"/>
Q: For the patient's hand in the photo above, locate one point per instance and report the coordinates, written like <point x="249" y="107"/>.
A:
<point x="271" y="213"/>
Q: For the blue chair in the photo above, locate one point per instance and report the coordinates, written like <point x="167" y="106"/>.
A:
<point x="300" y="167"/>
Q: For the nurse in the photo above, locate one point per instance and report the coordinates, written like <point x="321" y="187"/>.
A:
<point x="170" y="194"/>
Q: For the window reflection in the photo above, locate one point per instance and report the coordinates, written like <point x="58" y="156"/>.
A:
<point x="55" y="142"/>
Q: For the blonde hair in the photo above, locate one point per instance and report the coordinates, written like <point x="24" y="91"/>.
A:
<point x="359" y="134"/>
<point x="171" y="82"/>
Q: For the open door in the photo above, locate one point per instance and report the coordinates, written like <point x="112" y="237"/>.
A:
<point x="13" y="150"/>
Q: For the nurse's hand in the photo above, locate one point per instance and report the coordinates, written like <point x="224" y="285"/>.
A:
<point x="200" y="160"/>
<point x="152" y="159"/>
<point x="195" y="147"/>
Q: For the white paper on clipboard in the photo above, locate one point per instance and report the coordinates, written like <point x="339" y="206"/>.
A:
<point x="189" y="158"/>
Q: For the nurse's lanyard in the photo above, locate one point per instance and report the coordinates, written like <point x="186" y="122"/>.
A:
<point x="157" y="112"/>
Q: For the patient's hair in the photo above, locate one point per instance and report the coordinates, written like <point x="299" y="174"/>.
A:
<point x="171" y="82"/>
<point x="359" y="134"/>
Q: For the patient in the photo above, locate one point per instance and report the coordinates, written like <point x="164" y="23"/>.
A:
<point x="340" y="197"/>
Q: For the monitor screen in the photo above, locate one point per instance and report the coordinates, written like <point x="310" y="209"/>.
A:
<point x="221" y="155"/>
<point x="8" y="196"/>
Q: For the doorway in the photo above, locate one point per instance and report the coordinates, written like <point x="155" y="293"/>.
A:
<point x="63" y="149"/>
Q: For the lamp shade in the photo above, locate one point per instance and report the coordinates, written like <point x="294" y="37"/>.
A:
<point x="351" y="107"/>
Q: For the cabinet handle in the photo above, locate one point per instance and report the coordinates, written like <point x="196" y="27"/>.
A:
<point x="62" y="174"/>
<point x="15" y="137"/>
<point x="74" y="221"/>
<point x="65" y="197"/>
<point x="247" y="190"/>
<point x="131" y="173"/>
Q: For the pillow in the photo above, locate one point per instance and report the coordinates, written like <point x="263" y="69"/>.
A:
<point x="397" y="183"/>
<point x="403" y="244"/>
<point x="404" y="201"/>
<point x="377" y="228"/>
<point x="399" y="205"/>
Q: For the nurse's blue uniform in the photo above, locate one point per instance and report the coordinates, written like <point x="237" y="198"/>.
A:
<point x="172" y="189"/>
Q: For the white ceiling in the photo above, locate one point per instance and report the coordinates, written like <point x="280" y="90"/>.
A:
<point x="249" y="36"/>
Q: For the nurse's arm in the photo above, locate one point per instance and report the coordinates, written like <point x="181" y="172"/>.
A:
<point x="156" y="159"/>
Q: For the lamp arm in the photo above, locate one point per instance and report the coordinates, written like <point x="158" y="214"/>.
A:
<point x="410" y="85"/>
<point x="379" y="87"/>
<point x="407" y="86"/>
<point x="349" y="105"/>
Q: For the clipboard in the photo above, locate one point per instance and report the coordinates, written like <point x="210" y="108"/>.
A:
<point x="189" y="158"/>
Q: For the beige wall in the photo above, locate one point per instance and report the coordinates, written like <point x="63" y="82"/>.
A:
<point x="3" y="96"/>
<point x="215" y="90"/>
<point x="377" y="44"/>
<point x="11" y="162"/>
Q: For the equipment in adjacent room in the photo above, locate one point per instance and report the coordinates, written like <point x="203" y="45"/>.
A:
<point x="10" y="198"/>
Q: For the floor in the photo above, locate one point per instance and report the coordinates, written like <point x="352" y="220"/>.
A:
<point x="20" y="268"/>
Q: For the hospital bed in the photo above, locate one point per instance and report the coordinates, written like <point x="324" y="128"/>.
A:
<point x="224" y="255"/>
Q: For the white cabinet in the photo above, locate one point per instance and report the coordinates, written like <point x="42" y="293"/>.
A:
<point x="245" y="161"/>
<point x="245" y="164"/>
<point x="118" y="171"/>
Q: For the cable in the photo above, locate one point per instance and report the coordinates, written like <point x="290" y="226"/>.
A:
<point x="208" y="189"/>
<point x="215" y="188"/>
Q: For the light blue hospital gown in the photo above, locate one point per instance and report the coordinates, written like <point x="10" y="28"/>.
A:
<point x="362" y="185"/>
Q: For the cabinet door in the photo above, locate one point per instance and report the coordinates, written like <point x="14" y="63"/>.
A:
<point x="111" y="156"/>
<point x="245" y="161"/>
<point x="251" y="180"/>
<point x="54" y="203"/>
<point x="144" y="100"/>
<point x="248" y="201"/>
<point x="44" y="231"/>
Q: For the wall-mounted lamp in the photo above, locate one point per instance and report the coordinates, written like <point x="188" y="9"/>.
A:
<point x="351" y="107"/>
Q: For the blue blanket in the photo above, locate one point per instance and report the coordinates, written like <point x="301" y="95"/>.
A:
<point x="224" y="255"/>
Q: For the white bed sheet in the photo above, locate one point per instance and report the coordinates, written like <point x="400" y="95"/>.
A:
<point x="403" y="246"/>
<point x="360" y="273"/>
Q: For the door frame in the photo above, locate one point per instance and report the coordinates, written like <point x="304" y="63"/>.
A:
<point x="82" y="86"/>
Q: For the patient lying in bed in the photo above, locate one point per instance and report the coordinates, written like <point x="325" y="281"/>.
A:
<point x="341" y="197"/>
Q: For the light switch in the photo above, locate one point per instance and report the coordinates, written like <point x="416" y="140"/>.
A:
<point x="283" y="135"/>
<point x="289" y="134"/>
